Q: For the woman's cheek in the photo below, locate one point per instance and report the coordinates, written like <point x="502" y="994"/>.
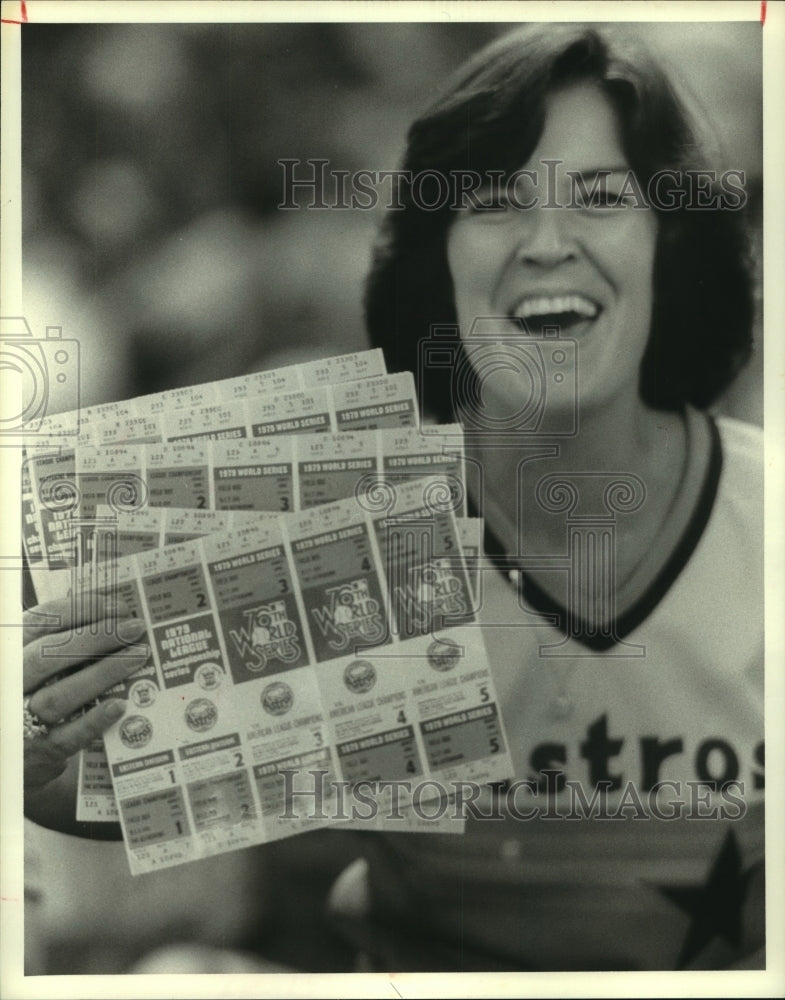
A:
<point x="476" y="256"/>
<point x="627" y="239"/>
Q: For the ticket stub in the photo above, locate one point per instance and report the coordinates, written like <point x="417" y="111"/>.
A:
<point x="254" y="474"/>
<point x="56" y="429"/>
<point x="95" y="801"/>
<point x="156" y="527"/>
<point x="439" y="453"/>
<point x="280" y="473"/>
<point x="138" y="420"/>
<point x="251" y="416"/>
<point x="68" y="487"/>
<point x="380" y="402"/>
<point x="386" y="401"/>
<point x="341" y="465"/>
<point x="278" y="652"/>
<point x="257" y="416"/>
<point x="51" y="504"/>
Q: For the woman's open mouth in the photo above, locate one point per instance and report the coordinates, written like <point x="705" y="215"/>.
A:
<point x="570" y="313"/>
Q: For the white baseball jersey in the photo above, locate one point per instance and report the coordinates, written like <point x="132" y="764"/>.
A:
<point x="666" y="714"/>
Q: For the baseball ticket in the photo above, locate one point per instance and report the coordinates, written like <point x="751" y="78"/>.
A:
<point x="339" y="641"/>
<point x="276" y="474"/>
<point x="282" y="474"/>
<point x="59" y="432"/>
<point x="55" y="429"/>
<point x="289" y="472"/>
<point x="155" y="527"/>
<point x="49" y="475"/>
<point x="300" y="412"/>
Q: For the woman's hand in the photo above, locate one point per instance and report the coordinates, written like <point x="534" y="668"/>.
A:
<point x="70" y="657"/>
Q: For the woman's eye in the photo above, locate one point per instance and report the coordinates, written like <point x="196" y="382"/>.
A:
<point x="488" y="204"/>
<point x="605" y="200"/>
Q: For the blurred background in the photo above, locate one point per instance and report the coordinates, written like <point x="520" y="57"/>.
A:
<point x="152" y="235"/>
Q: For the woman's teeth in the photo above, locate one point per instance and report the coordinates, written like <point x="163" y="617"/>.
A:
<point x="555" y="305"/>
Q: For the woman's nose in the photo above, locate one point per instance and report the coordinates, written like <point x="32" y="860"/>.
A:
<point x="544" y="237"/>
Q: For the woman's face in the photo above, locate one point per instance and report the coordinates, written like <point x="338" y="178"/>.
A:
<point x="584" y="269"/>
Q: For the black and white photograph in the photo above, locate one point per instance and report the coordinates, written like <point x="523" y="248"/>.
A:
<point x="393" y="404"/>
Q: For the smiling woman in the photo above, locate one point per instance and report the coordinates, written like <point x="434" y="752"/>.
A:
<point x="593" y="298"/>
<point x="577" y="307"/>
<point x="488" y="124"/>
<point x="588" y="271"/>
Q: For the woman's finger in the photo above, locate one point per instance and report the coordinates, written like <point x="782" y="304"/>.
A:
<point x="58" y="700"/>
<point x="46" y="757"/>
<point x="43" y="762"/>
<point x="69" y="612"/>
<point x="52" y="654"/>
<point x="76" y="734"/>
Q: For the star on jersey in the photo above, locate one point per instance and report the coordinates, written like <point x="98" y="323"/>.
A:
<point x="715" y="907"/>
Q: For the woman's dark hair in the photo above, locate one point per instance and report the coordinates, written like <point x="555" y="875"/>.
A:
<point x="490" y="118"/>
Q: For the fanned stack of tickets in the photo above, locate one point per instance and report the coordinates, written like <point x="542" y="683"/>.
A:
<point x="298" y="549"/>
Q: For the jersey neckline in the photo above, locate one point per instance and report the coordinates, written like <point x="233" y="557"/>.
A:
<point x="653" y="578"/>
